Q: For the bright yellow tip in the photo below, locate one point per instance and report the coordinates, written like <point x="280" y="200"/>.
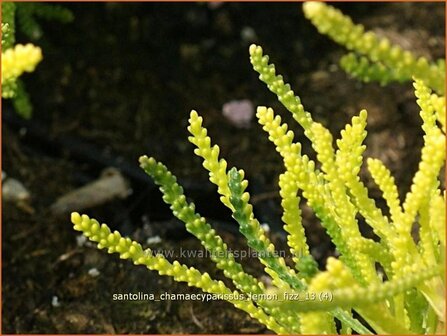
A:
<point x="20" y="59"/>
<point x="76" y="218"/>
<point x="252" y="49"/>
<point x="312" y="7"/>
<point x="255" y="50"/>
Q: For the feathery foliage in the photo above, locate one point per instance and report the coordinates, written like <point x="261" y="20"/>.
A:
<point x="394" y="283"/>
<point x="18" y="59"/>
<point x="372" y="58"/>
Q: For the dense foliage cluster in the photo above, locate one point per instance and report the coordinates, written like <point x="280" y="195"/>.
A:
<point x="395" y="283"/>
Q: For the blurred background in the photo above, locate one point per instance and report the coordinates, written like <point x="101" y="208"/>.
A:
<point x="118" y="82"/>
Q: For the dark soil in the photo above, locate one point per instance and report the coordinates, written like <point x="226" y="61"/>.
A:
<point x="122" y="78"/>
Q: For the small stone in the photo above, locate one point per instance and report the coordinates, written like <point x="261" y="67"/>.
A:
<point x="14" y="191"/>
<point x="93" y="272"/>
<point x="239" y="112"/>
<point x="55" y="301"/>
<point x="81" y="240"/>
<point x="153" y="240"/>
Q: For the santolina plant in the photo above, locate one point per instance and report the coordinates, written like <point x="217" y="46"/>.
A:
<point x="371" y="58"/>
<point x="17" y="58"/>
<point x="393" y="284"/>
